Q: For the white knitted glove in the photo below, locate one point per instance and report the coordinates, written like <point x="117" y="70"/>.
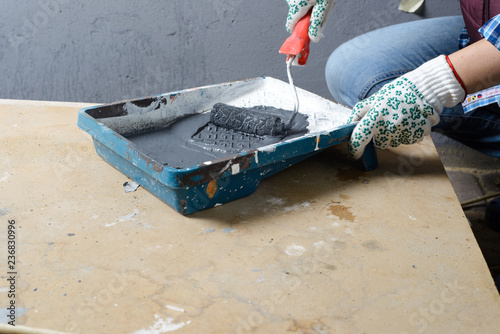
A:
<point x="404" y="110"/>
<point x="299" y="8"/>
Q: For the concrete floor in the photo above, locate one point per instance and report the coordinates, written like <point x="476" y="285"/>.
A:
<point x="321" y="246"/>
<point x="472" y="175"/>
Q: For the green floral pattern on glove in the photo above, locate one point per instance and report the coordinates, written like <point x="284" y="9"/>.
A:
<point x="396" y="114"/>
<point x="299" y="8"/>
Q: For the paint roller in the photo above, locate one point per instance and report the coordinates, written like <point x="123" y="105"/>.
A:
<point x="247" y="120"/>
<point x="252" y="121"/>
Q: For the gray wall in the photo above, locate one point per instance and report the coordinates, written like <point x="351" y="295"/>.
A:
<point x="104" y="51"/>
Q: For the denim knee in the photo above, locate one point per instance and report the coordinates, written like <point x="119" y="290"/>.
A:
<point x="338" y="74"/>
<point x="352" y="74"/>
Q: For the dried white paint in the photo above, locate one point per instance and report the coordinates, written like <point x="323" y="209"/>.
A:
<point x="162" y="326"/>
<point x="130" y="186"/>
<point x="320" y="244"/>
<point x="317" y="143"/>
<point x="269" y="148"/>
<point x="175" y="308"/>
<point x="297" y="207"/>
<point x="275" y="201"/>
<point x="130" y="216"/>
<point x="295" y="250"/>
<point x="235" y="169"/>
<point x="5" y="177"/>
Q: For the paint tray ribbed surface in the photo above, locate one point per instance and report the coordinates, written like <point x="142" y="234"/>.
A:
<point x="167" y="144"/>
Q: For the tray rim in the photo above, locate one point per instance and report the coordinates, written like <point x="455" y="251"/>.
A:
<point x="216" y="168"/>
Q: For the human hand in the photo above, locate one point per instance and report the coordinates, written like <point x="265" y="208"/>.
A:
<point x="404" y="110"/>
<point x="396" y="114"/>
<point x="320" y="10"/>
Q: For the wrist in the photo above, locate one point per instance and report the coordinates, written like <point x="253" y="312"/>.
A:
<point x="437" y="82"/>
<point x="456" y="75"/>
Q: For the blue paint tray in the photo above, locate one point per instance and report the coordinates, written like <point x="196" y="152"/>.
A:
<point x="222" y="173"/>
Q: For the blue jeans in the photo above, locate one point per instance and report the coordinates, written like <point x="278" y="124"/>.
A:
<point x="361" y="66"/>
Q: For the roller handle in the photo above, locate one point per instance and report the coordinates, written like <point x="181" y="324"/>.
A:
<point x="298" y="43"/>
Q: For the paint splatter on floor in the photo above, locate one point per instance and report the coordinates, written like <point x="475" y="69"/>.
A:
<point x="295" y="250"/>
<point x="275" y="201"/>
<point x="296" y="207"/>
<point x="130" y="186"/>
<point x="174" y="308"/>
<point x="208" y="231"/>
<point x="5" y="177"/>
<point x="130" y="216"/>
<point x="162" y="326"/>
<point x="227" y="230"/>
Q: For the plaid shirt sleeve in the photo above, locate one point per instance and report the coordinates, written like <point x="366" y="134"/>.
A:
<point x="491" y="31"/>
<point x="463" y="39"/>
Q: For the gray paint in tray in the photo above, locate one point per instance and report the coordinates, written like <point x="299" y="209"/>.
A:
<point x="193" y="140"/>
